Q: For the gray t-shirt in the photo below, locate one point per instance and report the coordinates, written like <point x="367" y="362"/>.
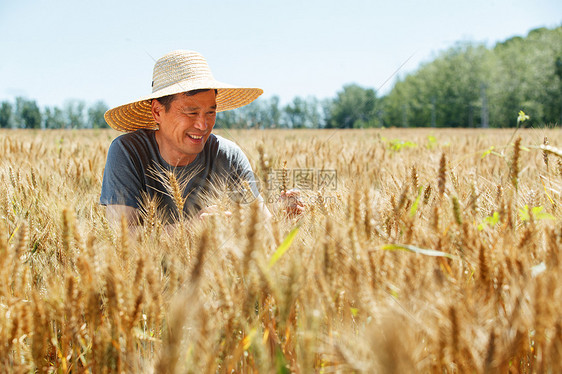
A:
<point x="135" y="169"/>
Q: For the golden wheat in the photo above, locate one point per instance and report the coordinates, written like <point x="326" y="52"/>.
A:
<point x="382" y="275"/>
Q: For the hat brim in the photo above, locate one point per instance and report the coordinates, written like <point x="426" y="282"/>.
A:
<point x="138" y="114"/>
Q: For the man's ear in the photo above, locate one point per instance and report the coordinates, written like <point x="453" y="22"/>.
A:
<point x="156" y="109"/>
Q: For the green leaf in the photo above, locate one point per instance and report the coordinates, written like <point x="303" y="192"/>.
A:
<point x="421" y="251"/>
<point x="522" y="117"/>
<point x="492" y="221"/>
<point x="283" y="247"/>
<point x="487" y="152"/>
<point x="431" y="141"/>
<point x="524" y="213"/>
<point x="281" y="365"/>
<point x="414" y="207"/>
<point x="537" y="213"/>
<point x="397" y="144"/>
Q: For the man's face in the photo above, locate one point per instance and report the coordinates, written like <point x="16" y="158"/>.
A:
<point x="184" y="129"/>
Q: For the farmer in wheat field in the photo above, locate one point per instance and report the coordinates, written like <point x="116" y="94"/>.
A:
<point x="169" y="131"/>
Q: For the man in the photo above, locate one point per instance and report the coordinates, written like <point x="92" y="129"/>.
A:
<point x="169" y="153"/>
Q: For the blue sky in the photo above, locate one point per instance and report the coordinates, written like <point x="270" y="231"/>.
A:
<point x="56" y="50"/>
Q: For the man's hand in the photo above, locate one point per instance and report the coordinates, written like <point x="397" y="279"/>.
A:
<point x="212" y="210"/>
<point x="292" y="203"/>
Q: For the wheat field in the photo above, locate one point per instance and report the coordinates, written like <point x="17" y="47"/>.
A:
<point x="431" y="251"/>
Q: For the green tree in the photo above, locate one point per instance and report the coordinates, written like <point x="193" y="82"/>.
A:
<point x="253" y="115"/>
<point x="444" y="92"/>
<point x="227" y="119"/>
<point x="295" y="113"/>
<point x="53" y="118"/>
<point x="258" y="114"/>
<point x="558" y="70"/>
<point x="96" y="119"/>
<point x="355" y="106"/>
<point x="273" y="112"/>
<point x="6" y="115"/>
<point x="506" y="94"/>
<point x="314" y="117"/>
<point x="325" y="108"/>
<point x="27" y="113"/>
<point x="74" y="114"/>
<point x="394" y="104"/>
<point x="469" y="82"/>
<point x="525" y="78"/>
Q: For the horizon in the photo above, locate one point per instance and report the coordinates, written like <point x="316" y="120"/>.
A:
<point x="304" y="50"/>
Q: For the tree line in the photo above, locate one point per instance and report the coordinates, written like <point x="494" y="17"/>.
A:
<point x="470" y="85"/>
<point x="467" y="85"/>
<point x="26" y="114"/>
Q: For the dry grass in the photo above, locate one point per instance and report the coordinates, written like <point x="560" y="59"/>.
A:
<point x="423" y="259"/>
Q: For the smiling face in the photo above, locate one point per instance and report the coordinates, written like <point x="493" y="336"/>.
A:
<point x="185" y="127"/>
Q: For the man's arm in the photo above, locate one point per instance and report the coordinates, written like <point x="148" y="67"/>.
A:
<point x="121" y="182"/>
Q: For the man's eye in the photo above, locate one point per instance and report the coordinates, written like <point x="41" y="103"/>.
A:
<point x="211" y="113"/>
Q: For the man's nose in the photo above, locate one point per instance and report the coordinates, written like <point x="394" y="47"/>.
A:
<point x="201" y="122"/>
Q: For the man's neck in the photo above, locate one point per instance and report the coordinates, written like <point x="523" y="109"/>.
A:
<point x="170" y="155"/>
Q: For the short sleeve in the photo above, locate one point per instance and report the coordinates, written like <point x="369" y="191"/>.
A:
<point x="241" y="173"/>
<point x="121" y="180"/>
<point x="245" y="172"/>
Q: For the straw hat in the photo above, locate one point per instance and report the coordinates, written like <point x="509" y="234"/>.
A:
<point x="176" y="72"/>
